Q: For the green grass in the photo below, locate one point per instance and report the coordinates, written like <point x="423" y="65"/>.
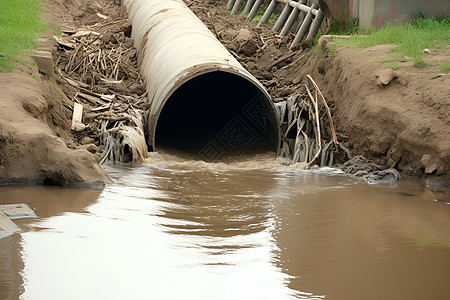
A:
<point x="20" y="25"/>
<point x="392" y="66"/>
<point x="411" y="39"/>
<point x="445" y="67"/>
<point x="343" y="27"/>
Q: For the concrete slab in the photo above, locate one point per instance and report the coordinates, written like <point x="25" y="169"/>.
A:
<point x="7" y="227"/>
<point x="17" y="211"/>
<point x="44" y="60"/>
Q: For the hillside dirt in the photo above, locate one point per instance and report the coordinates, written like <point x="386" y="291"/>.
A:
<point x="403" y="125"/>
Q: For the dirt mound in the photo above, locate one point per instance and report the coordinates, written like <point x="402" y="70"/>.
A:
<point x="403" y="125"/>
<point x="30" y="152"/>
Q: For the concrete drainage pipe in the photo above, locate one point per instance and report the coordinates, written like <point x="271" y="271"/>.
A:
<point x="202" y="100"/>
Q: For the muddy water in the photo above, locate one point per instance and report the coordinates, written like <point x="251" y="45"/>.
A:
<point x="174" y="229"/>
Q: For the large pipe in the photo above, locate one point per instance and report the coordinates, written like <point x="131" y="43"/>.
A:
<point x="201" y="97"/>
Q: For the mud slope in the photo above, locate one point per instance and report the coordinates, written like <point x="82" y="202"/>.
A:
<point x="405" y="124"/>
<point x="30" y="151"/>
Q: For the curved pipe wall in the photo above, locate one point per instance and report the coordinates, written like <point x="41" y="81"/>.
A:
<point x="201" y="98"/>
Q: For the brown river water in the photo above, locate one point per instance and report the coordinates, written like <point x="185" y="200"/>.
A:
<point x="249" y="229"/>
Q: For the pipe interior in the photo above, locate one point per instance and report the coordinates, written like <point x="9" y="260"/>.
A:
<point x="215" y="114"/>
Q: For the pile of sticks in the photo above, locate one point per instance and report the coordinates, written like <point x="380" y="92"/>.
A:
<point x="304" y="139"/>
<point x="100" y="67"/>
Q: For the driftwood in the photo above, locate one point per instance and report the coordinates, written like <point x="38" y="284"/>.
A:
<point x="304" y="139"/>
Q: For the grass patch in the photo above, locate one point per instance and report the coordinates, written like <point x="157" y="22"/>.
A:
<point x="20" y="25"/>
<point x="392" y="66"/>
<point x="411" y="38"/>
<point x="445" y="67"/>
<point x="343" y="27"/>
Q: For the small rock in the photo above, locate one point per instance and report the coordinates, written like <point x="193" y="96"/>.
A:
<point x="78" y="127"/>
<point x="249" y="48"/>
<point x="228" y="34"/>
<point x="87" y="140"/>
<point x="262" y="74"/>
<point x="427" y="51"/>
<point x="89" y="147"/>
<point x="425" y="160"/>
<point x="244" y="36"/>
<point x="385" y="77"/>
<point x="431" y="168"/>
<point x="44" y="60"/>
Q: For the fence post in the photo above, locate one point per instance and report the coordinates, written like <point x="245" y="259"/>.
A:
<point x="290" y="22"/>
<point x="236" y="7"/>
<point x="315" y="25"/>
<point x="254" y="10"/>
<point x="230" y="4"/>
<point x="304" y="28"/>
<point x="269" y="11"/>
<point x="282" y="18"/>
<point x="248" y="6"/>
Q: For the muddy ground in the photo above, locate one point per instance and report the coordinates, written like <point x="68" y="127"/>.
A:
<point x="404" y="125"/>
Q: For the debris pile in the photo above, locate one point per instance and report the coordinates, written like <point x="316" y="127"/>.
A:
<point x="305" y="140"/>
<point x="99" y="64"/>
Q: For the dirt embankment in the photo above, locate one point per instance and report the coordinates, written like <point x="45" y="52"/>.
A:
<point x="403" y="125"/>
<point x="36" y="143"/>
<point x="34" y="133"/>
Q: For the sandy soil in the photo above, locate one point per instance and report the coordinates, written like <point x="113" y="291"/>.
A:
<point x="404" y="125"/>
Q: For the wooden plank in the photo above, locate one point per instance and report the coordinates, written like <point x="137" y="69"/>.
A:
<point x="77" y="116"/>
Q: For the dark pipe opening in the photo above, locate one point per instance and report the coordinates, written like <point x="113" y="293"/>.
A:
<point x="217" y="114"/>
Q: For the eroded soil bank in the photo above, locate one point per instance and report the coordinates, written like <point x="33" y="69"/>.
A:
<point x="404" y="125"/>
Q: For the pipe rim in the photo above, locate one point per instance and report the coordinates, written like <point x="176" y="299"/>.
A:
<point x="211" y="68"/>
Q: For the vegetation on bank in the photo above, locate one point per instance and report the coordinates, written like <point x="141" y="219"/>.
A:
<point x="411" y="38"/>
<point x="20" y="25"/>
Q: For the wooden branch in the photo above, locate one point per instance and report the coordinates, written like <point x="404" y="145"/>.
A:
<point x="333" y="131"/>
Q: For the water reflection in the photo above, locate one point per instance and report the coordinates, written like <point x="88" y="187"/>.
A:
<point x="47" y="202"/>
<point x="172" y="229"/>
